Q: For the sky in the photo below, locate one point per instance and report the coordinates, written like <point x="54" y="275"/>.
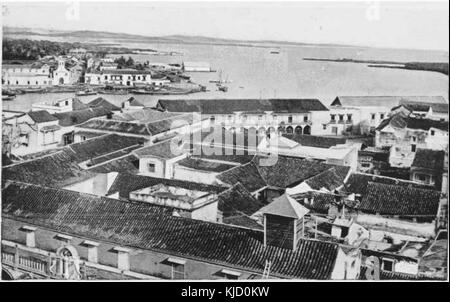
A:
<point x="416" y="25"/>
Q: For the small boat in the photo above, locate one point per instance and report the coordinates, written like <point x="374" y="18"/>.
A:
<point x="223" y="88"/>
<point x="8" y="97"/>
<point x="114" y="92"/>
<point x="33" y="90"/>
<point x="274" y="51"/>
<point x="85" y="93"/>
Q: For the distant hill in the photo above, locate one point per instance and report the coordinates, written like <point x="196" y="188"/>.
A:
<point x="83" y="35"/>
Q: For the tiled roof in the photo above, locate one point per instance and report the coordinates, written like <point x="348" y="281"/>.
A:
<point x="122" y="71"/>
<point x="247" y="174"/>
<point x="126" y="164"/>
<point x="316" y="141"/>
<point x="101" y="102"/>
<point x="161" y="150"/>
<point x="126" y="183"/>
<point x="289" y="171"/>
<point x="78" y="105"/>
<point x="285" y="206"/>
<point x="145" y="115"/>
<point x="382" y="101"/>
<point x="437" y="107"/>
<point x="134" y="102"/>
<point x="41" y="116"/>
<point x="328" y="179"/>
<point x="237" y="204"/>
<point x="429" y="159"/>
<point x="204" y="165"/>
<point x="386" y="275"/>
<point x="317" y="201"/>
<point x="224" y="106"/>
<point x="401" y="121"/>
<point x="236" y="200"/>
<point x="357" y="182"/>
<point x="62" y="168"/>
<point x="102" y="218"/>
<point x="116" y="126"/>
<point x="71" y="118"/>
<point x="399" y="200"/>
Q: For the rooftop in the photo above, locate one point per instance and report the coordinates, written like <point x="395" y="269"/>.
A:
<point x="101" y="102"/>
<point x="358" y="182"/>
<point x="63" y="167"/>
<point x="224" y="106"/>
<point x="382" y="101"/>
<point x="436" y="107"/>
<point x="204" y="165"/>
<point x="400" y="121"/>
<point x="286" y="206"/>
<point x="126" y="183"/>
<point x="234" y="247"/>
<point x="247" y="174"/>
<point x="41" y="116"/>
<point x="316" y="141"/>
<point x="166" y="150"/>
<point x="399" y="200"/>
<point x="76" y="117"/>
<point x="429" y="159"/>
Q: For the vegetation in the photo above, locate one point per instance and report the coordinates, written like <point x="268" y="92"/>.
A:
<point x="128" y="63"/>
<point x="24" y="49"/>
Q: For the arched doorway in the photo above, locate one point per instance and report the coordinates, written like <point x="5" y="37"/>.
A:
<point x="298" y="130"/>
<point x="281" y="129"/>
<point x="61" y="81"/>
<point x="289" y="130"/>
<point x="307" y="130"/>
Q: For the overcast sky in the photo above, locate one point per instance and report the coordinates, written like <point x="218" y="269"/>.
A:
<point x="421" y="25"/>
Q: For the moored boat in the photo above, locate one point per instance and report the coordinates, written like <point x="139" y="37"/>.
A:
<point x="85" y="93"/>
<point x="8" y="97"/>
<point x="33" y="90"/>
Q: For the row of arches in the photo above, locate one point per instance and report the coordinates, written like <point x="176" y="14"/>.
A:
<point x="280" y="129"/>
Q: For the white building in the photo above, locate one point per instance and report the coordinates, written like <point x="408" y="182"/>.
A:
<point x="362" y="114"/>
<point x="125" y="77"/>
<point x="26" y="75"/>
<point x="196" y="67"/>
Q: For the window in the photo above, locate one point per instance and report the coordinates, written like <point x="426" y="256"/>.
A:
<point x="83" y="138"/>
<point x="324" y="126"/>
<point x="177" y="268"/>
<point x="373" y="116"/>
<point x="275" y="117"/>
<point x="151" y="167"/>
<point x="413" y="138"/>
<point x="290" y="119"/>
<point x="305" y="118"/>
<point x="260" y="117"/>
<point x="230" y="117"/>
<point x="387" y="265"/>
<point x="244" y="118"/>
<point x="382" y="116"/>
<point x="229" y="274"/>
<point x="64" y="238"/>
<point x="212" y="119"/>
<point x="341" y="117"/>
<point x="333" y="117"/>
<point x="365" y="165"/>
<point x="432" y="132"/>
<point x="413" y="148"/>
<point x="349" y="117"/>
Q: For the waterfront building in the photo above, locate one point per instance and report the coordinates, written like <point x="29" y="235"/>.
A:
<point x="300" y="116"/>
<point x="196" y="67"/>
<point x="362" y="114"/>
<point x="26" y="75"/>
<point x="61" y="76"/>
<point x="125" y="77"/>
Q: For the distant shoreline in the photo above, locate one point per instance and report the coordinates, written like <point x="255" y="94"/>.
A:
<point x="440" y="67"/>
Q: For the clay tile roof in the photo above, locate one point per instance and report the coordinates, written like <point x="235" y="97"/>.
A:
<point x="429" y="159"/>
<point x="247" y="174"/>
<point x="316" y="141"/>
<point x="101" y="102"/>
<point x="223" y="106"/>
<point x="286" y="206"/>
<point x="160" y="150"/>
<point x="147" y="229"/>
<point x="399" y="200"/>
<point x="41" y="116"/>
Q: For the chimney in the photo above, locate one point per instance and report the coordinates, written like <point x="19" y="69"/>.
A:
<point x="283" y="222"/>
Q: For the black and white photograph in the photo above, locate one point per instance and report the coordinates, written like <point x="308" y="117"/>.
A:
<point x="238" y="141"/>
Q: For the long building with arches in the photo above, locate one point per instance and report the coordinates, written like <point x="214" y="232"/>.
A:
<point x="299" y="116"/>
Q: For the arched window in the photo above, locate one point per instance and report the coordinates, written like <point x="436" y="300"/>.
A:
<point x="307" y="130"/>
<point x="298" y="130"/>
<point x="289" y="130"/>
